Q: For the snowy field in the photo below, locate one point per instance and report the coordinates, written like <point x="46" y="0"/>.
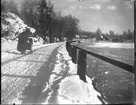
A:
<point x="112" y="45"/>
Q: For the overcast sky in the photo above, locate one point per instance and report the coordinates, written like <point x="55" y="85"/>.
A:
<point x="104" y="14"/>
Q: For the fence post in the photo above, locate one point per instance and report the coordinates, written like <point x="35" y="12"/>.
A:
<point x="69" y="48"/>
<point x="81" y="70"/>
<point x="74" y="54"/>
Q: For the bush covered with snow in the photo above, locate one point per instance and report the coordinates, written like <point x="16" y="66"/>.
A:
<point x="12" y="25"/>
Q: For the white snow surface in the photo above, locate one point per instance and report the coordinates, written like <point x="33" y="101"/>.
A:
<point x="112" y="45"/>
<point x="71" y="89"/>
<point x="15" y="66"/>
<point x="11" y="52"/>
<point x="12" y="24"/>
<point x="78" y="92"/>
<point x="15" y="24"/>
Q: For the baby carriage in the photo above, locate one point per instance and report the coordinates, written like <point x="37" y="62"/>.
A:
<point x="24" y="43"/>
<point x="29" y="44"/>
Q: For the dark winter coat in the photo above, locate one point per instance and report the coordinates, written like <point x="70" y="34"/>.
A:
<point x="22" y="41"/>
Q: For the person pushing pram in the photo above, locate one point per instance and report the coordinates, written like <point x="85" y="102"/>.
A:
<point x="25" y="41"/>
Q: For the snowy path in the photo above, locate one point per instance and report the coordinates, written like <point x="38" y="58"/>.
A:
<point x="45" y="76"/>
<point x="23" y="75"/>
<point x="65" y="85"/>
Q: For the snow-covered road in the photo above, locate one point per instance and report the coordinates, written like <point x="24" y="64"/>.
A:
<point x="22" y="74"/>
<point x="45" y="76"/>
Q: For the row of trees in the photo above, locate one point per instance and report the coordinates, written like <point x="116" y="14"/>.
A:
<point x="112" y="36"/>
<point x="41" y="15"/>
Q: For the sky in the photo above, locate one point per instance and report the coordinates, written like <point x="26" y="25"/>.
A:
<point x="116" y="15"/>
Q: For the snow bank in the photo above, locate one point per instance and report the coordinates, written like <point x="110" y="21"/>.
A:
<point x="71" y="90"/>
<point x="8" y="45"/>
<point x="77" y="91"/>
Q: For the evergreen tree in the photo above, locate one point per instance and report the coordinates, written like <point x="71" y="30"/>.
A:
<point x="44" y="18"/>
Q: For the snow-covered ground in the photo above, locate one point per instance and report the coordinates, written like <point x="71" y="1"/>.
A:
<point x="112" y="45"/>
<point x="123" y="52"/>
<point x="9" y="49"/>
<point x="20" y="73"/>
<point x="8" y="45"/>
<point x="66" y="86"/>
<point x="61" y="86"/>
<point x="19" y="70"/>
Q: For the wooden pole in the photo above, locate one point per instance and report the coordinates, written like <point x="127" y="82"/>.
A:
<point x="74" y="55"/>
<point x="81" y="70"/>
<point x="69" y="48"/>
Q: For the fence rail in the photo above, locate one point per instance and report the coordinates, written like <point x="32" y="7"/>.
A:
<point x="78" y="55"/>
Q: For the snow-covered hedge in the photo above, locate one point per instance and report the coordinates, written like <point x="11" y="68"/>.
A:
<point x="12" y="25"/>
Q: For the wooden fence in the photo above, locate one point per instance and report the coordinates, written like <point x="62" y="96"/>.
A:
<point x="79" y="56"/>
